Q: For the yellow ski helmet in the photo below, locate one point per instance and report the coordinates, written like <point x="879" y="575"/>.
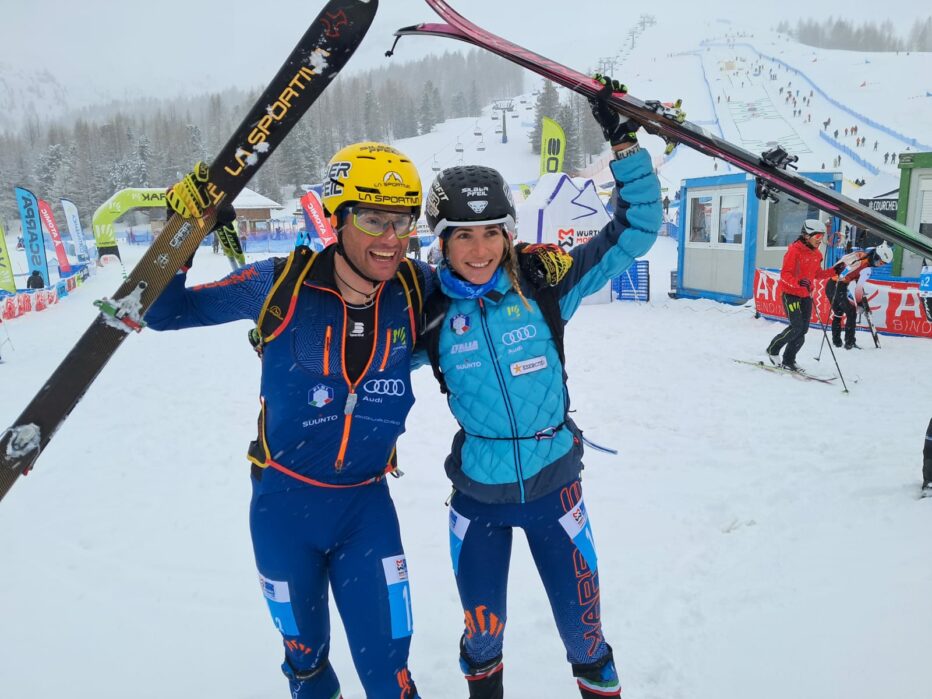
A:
<point x="371" y="173"/>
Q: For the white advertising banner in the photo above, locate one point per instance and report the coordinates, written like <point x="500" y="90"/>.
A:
<point x="566" y="211"/>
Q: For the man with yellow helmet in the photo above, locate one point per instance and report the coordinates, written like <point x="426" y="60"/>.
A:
<point x="335" y="393"/>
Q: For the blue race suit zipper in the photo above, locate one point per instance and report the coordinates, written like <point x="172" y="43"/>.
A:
<point x="515" y="446"/>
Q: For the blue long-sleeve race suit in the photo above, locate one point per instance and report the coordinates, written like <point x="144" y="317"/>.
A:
<point x="516" y="460"/>
<point x="321" y="511"/>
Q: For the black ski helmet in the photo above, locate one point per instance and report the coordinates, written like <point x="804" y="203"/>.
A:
<point x="469" y="195"/>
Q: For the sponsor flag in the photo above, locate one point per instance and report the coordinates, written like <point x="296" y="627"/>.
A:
<point x="74" y="228"/>
<point x="48" y="220"/>
<point x="32" y="233"/>
<point x="7" y="283"/>
<point x="552" y="146"/>
<point x="315" y="220"/>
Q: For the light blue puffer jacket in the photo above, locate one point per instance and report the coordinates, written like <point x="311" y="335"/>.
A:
<point x="502" y="369"/>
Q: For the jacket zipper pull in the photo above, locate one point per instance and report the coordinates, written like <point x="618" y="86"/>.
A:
<point x="350" y="403"/>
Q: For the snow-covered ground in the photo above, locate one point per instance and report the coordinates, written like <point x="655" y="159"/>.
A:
<point x="758" y="536"/>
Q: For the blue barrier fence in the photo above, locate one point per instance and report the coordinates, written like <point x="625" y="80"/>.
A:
<point x="915" y="143"/>
<point x="850" y="153"/>
<point x="634" y="284"/>
<point x="708" y="86"/>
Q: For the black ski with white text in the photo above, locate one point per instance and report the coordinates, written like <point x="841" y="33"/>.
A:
<point x="770" y="169"/>
<point x="321" y="53"/>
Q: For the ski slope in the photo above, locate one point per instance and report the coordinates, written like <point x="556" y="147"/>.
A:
<point x="759" y="537"/>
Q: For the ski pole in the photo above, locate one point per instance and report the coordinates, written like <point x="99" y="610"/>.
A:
<point x="8" y="340"/>
<point x="824" y="335"/>
<point x="870" y="325"/>
<point x="832" y="350"/>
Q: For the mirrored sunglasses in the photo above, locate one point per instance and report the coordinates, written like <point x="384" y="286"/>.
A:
<point x="375" y="222"/>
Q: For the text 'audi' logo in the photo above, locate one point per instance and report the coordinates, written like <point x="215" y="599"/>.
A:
<point x="385" y="387"/>
<point x="519" y="335"/>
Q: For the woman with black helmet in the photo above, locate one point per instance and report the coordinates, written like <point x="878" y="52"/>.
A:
<point x="495" y="341"/>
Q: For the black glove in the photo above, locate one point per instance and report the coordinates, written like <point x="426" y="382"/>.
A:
<point x="543" y="264"/>
<point x="805" y="284"/>
<point x="839" y="267"/>
<point x="615" y="130"/>
<point x="189" y="197"/>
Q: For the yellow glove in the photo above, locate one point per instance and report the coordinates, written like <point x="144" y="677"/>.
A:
<point x="189" y="198"/>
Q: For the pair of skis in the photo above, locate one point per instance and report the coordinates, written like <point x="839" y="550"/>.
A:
<point x="772" y="169"/>
<point x="801" y="375"/>
<point x="319" y="56"/>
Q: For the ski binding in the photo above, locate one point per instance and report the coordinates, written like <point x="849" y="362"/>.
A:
<point x="126" y="313"/>
<point x="23" y="440"/>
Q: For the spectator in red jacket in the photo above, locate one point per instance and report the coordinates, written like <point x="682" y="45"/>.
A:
<point x="802" y="266"/>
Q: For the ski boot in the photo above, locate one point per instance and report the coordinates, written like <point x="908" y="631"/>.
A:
<point x="484" y="681"/>
<point x="599" y="679"/>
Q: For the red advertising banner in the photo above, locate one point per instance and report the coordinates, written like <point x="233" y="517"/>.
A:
<point x="896" y="307"/>
<point x="315" y="218"/>
<point x="48" y="220"/>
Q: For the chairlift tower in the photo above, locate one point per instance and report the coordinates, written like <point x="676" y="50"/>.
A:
<point x="504" y="106"/>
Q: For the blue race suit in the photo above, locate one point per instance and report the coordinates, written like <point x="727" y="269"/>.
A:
<point x="516" y="460"/>
<point x="321" y="510"/>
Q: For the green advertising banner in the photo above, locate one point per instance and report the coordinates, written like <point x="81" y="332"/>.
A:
<point x="7" y="283"/>
<point x="552" y="146"/>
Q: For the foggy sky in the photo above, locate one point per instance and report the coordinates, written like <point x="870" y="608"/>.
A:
<point x="178" y="46"/>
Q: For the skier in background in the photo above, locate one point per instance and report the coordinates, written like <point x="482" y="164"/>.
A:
<point x="335" y="392"/>
<point x="927" y="463"/>
<point x="845" y="299"/>
<point x="495" y="342"/>
<point x="802" y="266"/>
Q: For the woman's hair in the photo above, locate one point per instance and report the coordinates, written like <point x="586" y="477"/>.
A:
<point x="510" y="264"/>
